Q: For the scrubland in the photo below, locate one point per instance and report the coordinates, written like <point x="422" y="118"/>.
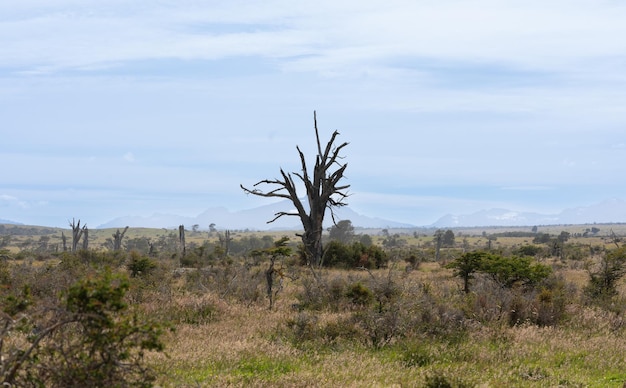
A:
<point x="408" y="323"/>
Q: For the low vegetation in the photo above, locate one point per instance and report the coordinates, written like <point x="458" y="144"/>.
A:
<point x="457" y="308"/>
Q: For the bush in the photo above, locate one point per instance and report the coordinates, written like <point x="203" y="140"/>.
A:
<point x="528" y="250"/>
<point x="88" y="339"/>
<point x="337" y="254"/>
<point x="139" y="265"/>
<point x="508" y="271"/>
<point x="603" y="279"/>
<point x="359" y="295"/>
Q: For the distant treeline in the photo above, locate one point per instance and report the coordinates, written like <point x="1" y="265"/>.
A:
<point x="16" y="230"/>
<point x="514" y="234"/>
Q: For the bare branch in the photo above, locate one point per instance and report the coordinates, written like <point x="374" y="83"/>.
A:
<point x="317" y="136"/>
<point x="321" y="184"/>
<point x="280" y="214"/>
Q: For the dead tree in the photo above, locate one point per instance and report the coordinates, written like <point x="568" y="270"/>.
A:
<point x="64" y="240"/>
<point x="615" y="239"/>
<point x="117" y="239"/>
<point x="322" y="192"/>
<point x="225" y="242"/>
<point x="77" y="233"/>
<point x="181" y="239"/>
<point x="85" y="238"/>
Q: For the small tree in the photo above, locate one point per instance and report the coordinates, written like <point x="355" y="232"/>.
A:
<point x="322" y="192"/>
<point x="509" y="271"/>
<point x="273" y="274"/>
<point x="466" y="265"/>
<point x="448" y="238"/>
<point x="603" y="280"/>
<point x="342" y="231"/>
<point x="506" y="271"/>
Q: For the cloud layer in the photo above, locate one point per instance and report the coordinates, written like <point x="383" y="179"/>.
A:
<point x="112" y="109"/>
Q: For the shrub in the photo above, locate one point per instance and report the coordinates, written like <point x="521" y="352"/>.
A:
<point x="338" y="254"/>
<point x="528" y="250"/>
<point x="603" y="279"/>
<point x="359" y="294"/>
<point x="88" y="339"/>
<point x="139" y="265"/>
<point x="438" y="380"/>
<point x="508" y="271"/>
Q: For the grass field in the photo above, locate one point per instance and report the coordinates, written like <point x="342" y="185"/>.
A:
<point x="249" y="347"/>
<point x="390" y="327"/>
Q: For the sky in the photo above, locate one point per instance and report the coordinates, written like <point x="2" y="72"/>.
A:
<point x="115" y="108"/>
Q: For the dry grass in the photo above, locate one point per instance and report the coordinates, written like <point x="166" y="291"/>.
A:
<point x="247" y="346"/>
<point x="220" y="340"/>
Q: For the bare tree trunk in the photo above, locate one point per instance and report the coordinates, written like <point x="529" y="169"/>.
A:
<point x="86" y="238"/>
<point x="269" y="278"/>
<point x="322" y="192"/>
<point x="77" y="233"/>
<point x="64" y="240"/>
<point x="117" y="239"/>
<point x="225" y="242"/>
<point x="181" y="239"/>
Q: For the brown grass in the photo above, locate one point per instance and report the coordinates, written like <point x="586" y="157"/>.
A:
<point x="220" y="340"/>
<point x="245" y="346"/>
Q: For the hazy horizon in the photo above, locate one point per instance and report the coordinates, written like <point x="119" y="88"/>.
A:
<point x="112" y="109"/>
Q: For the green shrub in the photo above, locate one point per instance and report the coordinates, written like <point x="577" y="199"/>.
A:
<point x="602" y="286"/>
<point x="359" y="294"/>
<point x="508" y="271"/>
<point x="340" y="255"/>
<point x="438" y="380"/>
<point x="87" y="339"/>
<point x="139" y="265"/>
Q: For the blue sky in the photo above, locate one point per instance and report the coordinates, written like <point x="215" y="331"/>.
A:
<point x="109" y="109"/>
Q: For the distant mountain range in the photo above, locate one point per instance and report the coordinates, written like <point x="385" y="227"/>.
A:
<point x="609" y="211"/>
<point x="3" y="221"/>
<point x="253" y="219"/>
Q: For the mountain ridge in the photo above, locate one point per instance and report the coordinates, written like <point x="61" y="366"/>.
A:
<point x="608" y="211"/>
<point x="252" y="219"/>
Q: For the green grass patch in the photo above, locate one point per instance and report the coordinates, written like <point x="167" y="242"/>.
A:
<point x="263" y="368"/>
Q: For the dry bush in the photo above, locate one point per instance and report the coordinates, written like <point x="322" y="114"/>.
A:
<point x="190" y="310"/>
<point x="158" y="285"/>
<point x="236" y="282"/>
<point x="320" y="291"/>
<point x="375" y="309"/>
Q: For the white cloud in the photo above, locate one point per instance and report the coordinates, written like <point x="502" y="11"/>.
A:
<point x="10" y="200"/>
<point x="129" y="157"/>
<point x="324" y="38"/>
<point x="7" y="198"/>
<point x="526" y="96"/>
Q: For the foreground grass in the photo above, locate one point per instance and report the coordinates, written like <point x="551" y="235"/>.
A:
<point x="225" y="335"/>
<point x="518" y="356"/>
<point x="249" y="346"/>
